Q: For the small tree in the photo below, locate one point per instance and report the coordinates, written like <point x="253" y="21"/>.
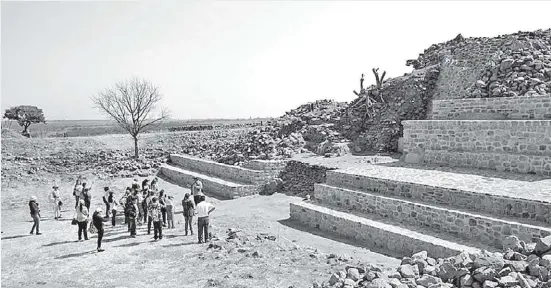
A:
<point x="25" y="115"/>
<point x="134" y="105"/>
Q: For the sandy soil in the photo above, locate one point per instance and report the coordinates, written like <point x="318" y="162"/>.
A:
<point x="295" y="259"/>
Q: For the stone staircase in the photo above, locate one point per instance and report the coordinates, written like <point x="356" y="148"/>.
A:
<point x="221" y="180"/>
<point x="412" y="206"/>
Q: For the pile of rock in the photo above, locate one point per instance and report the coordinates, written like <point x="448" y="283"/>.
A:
<point x="521" y="266"/>
<point x="299" y="177"/>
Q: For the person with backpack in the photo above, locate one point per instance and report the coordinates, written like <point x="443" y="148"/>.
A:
<point x="56" y="199"/>
<point x="82" y="218"/>
<point x="189" y="212"/>
<point x="97" y="221"/>
<point x="35" y="214"/>
<point x="155" y="214"/>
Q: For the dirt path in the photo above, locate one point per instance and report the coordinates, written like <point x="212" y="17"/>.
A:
<point x="54" y="259"/>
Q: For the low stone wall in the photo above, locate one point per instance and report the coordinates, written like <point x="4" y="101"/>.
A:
<point x="299" y="177"/>
<point x="488" y="231"/>
<point x="527" y="137"/>
<point x="265" y="165"/>
<point x="385" y="238"/>
<point x="220" y="170"/>
<point x="219" y="188"/>
<point x="517" y="163"/>
<point x="490" y="204"/>
<point x="512" y="108"/>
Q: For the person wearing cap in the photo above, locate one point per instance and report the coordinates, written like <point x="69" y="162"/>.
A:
<point x="82" y="217"/>
<point x="97" y="221"/>
<point x="155" y="214"/>
<point x="196" y="190"/>
<point x="56" y="200"/>
<point x="35" y="214"/>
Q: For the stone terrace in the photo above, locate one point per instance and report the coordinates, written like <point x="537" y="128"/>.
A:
<point x="403" y="210"/>
<point x="222" y="180"/>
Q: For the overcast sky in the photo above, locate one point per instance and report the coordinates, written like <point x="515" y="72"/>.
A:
<point x="228" y="59"/>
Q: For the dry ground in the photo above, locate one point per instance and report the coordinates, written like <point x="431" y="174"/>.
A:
<point x="296" y="258"/>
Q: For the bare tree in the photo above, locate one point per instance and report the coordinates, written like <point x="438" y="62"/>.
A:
<point x="134" y="105"/>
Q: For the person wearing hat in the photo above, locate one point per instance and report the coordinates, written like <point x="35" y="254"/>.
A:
<point x="57" y="202"/>
<point x="97" y="221"/>
<point x="196" y="190"/>
<point x="82" y="219"/>
<point x="35" y="214"/>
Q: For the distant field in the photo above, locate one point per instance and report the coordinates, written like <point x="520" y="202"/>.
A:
<point x="76" y="128"/>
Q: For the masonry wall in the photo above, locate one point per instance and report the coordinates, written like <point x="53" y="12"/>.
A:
<point x="511" y="108"/>
<point x="467" y="226"/>
<point x="224" y="171"/>
<point x="494" y="205"/>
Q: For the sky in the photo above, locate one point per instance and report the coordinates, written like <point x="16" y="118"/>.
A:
<point x="228" y="59"/>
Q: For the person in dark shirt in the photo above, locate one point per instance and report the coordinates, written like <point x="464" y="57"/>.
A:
<point x="98" y="220"/>
<point x="189" y="211"/>
<point x="35" y="214"/>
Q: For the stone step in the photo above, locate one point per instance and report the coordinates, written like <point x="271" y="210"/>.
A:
<point x="375" y="234"/>
<point x="469" y="226"/>
<point x="211" y="185"/>
<point x="220" y="170"/>
<point x="492" y="196"/>
<point x="505" y="162"/>
<point x="511" y="108"/>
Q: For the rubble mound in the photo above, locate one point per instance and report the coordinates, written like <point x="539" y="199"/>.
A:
<point x="521" y="266"/>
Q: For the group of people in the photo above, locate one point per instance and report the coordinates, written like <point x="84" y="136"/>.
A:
<point x="142" y="203"/>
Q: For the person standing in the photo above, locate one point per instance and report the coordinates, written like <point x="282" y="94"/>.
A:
<point x="105" y="196"/>
<point x="203" y="211"/>
<point x="124" y="201"/>
<point x="162" y="201"/>
<point x="170" y="212"/>
<point x="82" y="219"/>
<point x="135" y="184"/>
<point x="148" y="201"/>
<point x="113" y="206"/>
<point x="139" y="196"/>
<point x="35" y="214"/>
<point x="132" y="208"/>
<point x="196" y="189"/>
<point x="85" y="195"/>
<point x="77" y="190"/>
<point x="189" y="211"/>
<point x="155" y="214"/>
<point x="56" y="201"/>
<point x="97" y="221"/>
<point x="154" y="186"/>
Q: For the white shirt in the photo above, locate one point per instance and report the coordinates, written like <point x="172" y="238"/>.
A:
<point x="203" y="209"/>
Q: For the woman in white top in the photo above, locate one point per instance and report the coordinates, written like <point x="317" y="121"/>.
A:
<point x="56" y="200"/>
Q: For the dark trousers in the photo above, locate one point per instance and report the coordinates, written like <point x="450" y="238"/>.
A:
<point x="76" y="202"/>
<point x="100" y="237"/>
<point x="149" y="220"/>
<point x="82" y="228"/>
<point x="126" y="219"/>
<point x="163" y="212"/>
<point x="203" y="227"/>
<point x="188" y="220"/>
<point x="145" y="214"/>
<point x="132" y="226"/>
<point x="157" y="230"/>
<point x="36" y="220"/>
<point x="107" y="210"/>
<point x="113" y="215"/>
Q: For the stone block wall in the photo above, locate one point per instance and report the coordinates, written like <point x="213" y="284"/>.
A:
<point x="378" y="236"/>
<point x="511" y="108"/>
<point x="487" y="231"/>
<point x="220" y="189"/>
<point x="526" y="137"/>
<point x="299" y="177"/>
<point x="220" y="170"/>
<point x="265" y="165"/>
<point x="490" y="204"/>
